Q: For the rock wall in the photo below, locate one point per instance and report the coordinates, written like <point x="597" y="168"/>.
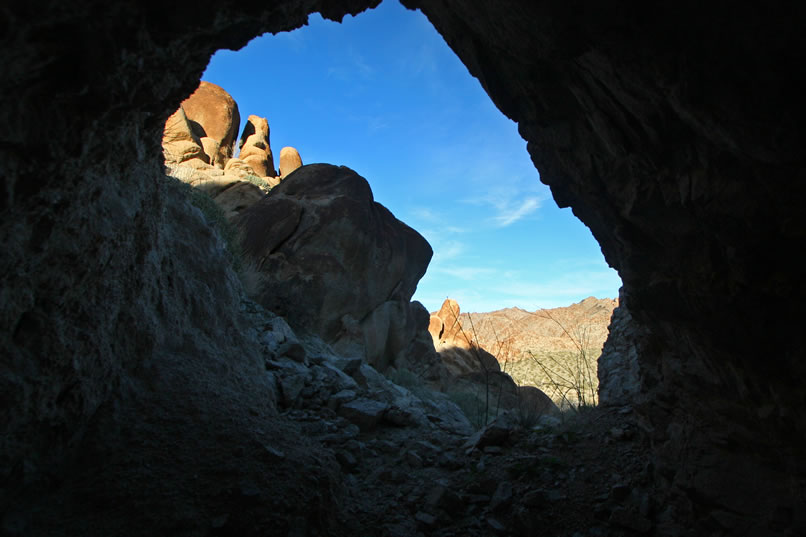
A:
<point x="673" y="131"/>
<point x="120" y="334"/>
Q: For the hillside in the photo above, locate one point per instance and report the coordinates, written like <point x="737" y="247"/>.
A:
<point x="511" y="332"/>
<point x="554" y="349"/>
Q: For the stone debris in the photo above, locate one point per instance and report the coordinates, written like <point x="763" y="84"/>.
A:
<point x="401" y="456"/>
<point x="365" y="413"/>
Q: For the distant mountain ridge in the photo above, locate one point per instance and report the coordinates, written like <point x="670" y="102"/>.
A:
<point x="510" y="333"/>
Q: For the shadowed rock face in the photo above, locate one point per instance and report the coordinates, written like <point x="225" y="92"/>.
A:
<point x="672" y="131"/>
<point x="673" y="135"/>
<point x="334" y="260"/>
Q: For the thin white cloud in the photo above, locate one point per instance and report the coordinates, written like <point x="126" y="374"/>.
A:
<point x="509" y="217"/>
<point x="359" y="64"/>
<point x="445" y="250"/>
<point x="466" y="273"/>
<point x="425" y="213"/>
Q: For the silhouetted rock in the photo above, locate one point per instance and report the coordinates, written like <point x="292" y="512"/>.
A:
<point x="337" y="263"/>
<point x="237" y="198"/>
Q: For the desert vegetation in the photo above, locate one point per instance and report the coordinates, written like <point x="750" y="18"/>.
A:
<point x="569" y="377"/>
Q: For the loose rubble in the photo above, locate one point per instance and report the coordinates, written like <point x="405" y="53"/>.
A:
<point x="415" y="466"/>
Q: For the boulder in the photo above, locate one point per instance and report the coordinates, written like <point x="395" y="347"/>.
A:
<point x="254" y="146"/>
<point x="365" y="413"/>
<point x="289" y="161"/>
<point x="534" y="403"/>
<point x="495" y="433"/>
<point x="179" y="143"/>
<point x="446" y="327"/>
<point x="213" y="113"/>
<point x="238" y="197"/>
<point x="212" y="146"/>
<point x="460" y="361"/>
<point x="238" y="168"/>
<point x="337" y="263"/>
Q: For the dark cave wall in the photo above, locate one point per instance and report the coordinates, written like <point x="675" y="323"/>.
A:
<point x="119" y="308"/>
<point x="672" y="131"/>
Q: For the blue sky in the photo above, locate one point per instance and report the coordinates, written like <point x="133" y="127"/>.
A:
<point x="383" y="94"/>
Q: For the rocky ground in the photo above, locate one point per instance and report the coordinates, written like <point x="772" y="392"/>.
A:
<point x="411" y="466"/>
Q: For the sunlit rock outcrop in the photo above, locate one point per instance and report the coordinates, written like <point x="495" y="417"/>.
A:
<point x="289" y="160"/>
<point x="214" y="117"/>
<point x="198" y="151"/>
<point x="254" y="146"/>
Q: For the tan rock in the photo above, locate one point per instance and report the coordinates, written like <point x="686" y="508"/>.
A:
<point x="435" y="327"/>
<point x="182" y="152"/>
<point x="211" y="147"/>
<point x="238" y="168"/>
<point x="213" y="113"/>
<point x="452" y="333"/>
<point x="289" y="161"/>
<point x="177" y="129"/>
<point x="179" y="143"/>
<point x="255" y="148"/>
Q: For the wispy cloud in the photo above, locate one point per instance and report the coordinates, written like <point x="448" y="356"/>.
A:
<point x="350" y="66"/>
<point x="445" y="250"/>
<point x="466" y="273"/>
<point x="510" y="216"/>
<point x="432" y="223"/>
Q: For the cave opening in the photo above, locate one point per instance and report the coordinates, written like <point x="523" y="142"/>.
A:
<point x="147" y="397"/>
<point x="383" y="94"/>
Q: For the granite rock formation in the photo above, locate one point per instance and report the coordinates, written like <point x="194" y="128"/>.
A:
<point x="289" y="161"/>
<point x="180" y="144"/>
<point x="195" y="157"/>
<point x="214" y="117"/>
<point x="673" y="132"/>
<point x="255" y="148"/>
<point x="338" y="264"/>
